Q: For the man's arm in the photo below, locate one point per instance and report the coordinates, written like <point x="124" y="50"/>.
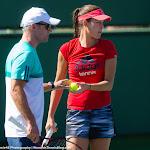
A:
<point x="20" y="100"/>
<point x="57" y="85"/>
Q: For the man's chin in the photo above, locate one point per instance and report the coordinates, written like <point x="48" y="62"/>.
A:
<point x="45" y="41"/>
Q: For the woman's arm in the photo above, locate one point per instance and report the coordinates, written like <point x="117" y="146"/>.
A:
<point x="110" y="70"/>
<point x="56" y="95"/>
<point x="106" y="84"/>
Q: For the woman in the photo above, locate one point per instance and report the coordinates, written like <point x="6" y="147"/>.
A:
<point x="91" y="62"/>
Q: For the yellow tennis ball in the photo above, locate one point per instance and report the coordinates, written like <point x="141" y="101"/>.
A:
<point x="74" y="86"/>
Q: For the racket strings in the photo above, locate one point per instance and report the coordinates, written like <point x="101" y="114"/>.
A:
<point x="57" y="143"/>
<point x="61" y="143"/>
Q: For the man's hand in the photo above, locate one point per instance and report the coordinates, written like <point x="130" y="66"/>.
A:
<point x="33" y="132"/>
<point x="62" y="84"/>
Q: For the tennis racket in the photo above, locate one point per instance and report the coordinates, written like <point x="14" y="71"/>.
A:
<point x="48" y="142"/>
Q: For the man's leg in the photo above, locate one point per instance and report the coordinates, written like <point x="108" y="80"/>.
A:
<point x="20" y="142"/>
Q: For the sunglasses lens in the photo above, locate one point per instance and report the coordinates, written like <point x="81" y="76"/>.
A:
<point x="49" y="26"/>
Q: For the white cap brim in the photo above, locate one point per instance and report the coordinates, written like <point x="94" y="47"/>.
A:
<point x="54" y="21"/>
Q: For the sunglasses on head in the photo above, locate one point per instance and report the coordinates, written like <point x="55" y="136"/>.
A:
<point x="48" y="26"/>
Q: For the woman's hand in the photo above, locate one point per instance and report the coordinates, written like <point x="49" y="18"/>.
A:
<point x="82" y="87"/>
<point x="50" y="124"/>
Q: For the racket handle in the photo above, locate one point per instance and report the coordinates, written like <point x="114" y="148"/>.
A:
<point x="48" y="135"/>
<point x="18" y="124"/>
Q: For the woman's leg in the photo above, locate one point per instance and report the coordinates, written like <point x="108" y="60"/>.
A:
<point x="82" y="142"/>
<point x="100" y="143"/>
<point x="77" y="128"/>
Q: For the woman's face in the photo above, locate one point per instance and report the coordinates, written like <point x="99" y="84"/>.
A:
<point x="94" y="28"/>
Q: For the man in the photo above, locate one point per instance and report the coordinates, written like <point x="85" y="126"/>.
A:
<point x="24" y="80"/>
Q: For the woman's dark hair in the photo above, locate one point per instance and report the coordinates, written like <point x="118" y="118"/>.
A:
<point x="79" y="12"/>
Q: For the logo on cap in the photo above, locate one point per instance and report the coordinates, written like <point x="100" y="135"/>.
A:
<point x="102" y="12"/>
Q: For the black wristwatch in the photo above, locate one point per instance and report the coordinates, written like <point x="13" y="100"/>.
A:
<point x="52" y="83"/>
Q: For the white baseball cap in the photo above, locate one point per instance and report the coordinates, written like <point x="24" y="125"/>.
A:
<point x="35" y="15"/>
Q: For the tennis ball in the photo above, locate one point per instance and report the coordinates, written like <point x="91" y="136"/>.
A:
<point x="74" y="86"/>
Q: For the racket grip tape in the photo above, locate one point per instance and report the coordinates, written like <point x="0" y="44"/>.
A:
<point x="48" y="135"/>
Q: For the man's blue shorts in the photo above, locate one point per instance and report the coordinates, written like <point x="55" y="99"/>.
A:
<point x="91" y="124"/>
<point x="18" y="142"/>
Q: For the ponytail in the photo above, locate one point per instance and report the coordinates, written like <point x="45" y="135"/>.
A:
<point x="76" y="23"/>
